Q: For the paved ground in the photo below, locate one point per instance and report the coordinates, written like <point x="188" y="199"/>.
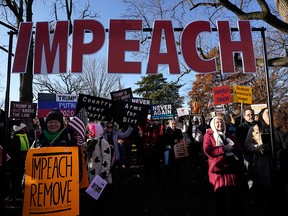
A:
<point x="132" y="196"/>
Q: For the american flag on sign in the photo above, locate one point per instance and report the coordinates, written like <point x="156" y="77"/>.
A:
<point x="47" y="97"/>
<point x="78" y="124"/>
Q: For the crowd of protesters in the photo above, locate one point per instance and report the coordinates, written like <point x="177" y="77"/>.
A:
<point x="253" y="169"/>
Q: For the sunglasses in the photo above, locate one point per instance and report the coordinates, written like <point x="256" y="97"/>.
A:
<point x="109" y="126"/>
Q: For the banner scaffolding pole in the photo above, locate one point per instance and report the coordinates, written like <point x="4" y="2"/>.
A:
<point x="269" y="103"/>
<point x="7" y="96"/>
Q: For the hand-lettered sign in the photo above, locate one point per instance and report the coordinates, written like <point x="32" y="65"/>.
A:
<point x="52" y="181"/>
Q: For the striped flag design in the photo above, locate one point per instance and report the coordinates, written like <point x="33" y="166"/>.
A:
<point x="78" y="124"/>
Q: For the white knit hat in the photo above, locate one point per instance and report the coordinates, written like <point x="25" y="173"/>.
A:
<point x="17" y="128"/>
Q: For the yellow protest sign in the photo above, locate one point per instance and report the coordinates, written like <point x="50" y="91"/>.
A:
<point x="52" y="181"/>
<point x="242" y="94"/>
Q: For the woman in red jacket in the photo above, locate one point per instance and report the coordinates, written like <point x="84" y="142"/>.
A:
<point x="225" y="167"/>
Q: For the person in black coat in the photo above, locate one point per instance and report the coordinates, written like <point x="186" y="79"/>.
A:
<point x="17" y="149"/>
<point x="242" y="131"/>
<point x="195" y="132"/>
<point x="171" y="137"/>
<point x="54" y="134"/>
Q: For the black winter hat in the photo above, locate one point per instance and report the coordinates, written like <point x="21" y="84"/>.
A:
<point x="55" y="114"/>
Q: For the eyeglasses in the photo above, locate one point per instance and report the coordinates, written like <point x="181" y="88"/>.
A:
<point x="109" y="126"/>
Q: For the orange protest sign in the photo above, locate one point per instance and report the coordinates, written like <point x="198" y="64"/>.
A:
<point x="52" y="181"/>
<point x="222" y="95"/>
<point x="84" y="183"/>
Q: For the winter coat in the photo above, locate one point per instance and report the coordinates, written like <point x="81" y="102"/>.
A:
<point x="14" y="149"/>
<point x="242" y="131"/>
<point x="228" y="182"/>
<point x="98" y="159"/>
<point x="115" y="136"/>
<point x="262" y="163"/>
<point x="66" y="138"/>
<point x="171" y="136"/>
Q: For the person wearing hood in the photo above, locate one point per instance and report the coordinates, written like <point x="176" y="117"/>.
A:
<point x="112" y="135"/>
<point x="98" y="162"/>
<point x="19" y="145"/>
<point x="98" y="155"/>
<point x="195" y="132"/>
<point x="53" y="133"/>
<point x="267" y="185"/>
<point x="228" y="179"/>
<point x="172" y="136"/>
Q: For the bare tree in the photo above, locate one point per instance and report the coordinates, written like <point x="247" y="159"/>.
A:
<point x="97" y="81"/>
<point x="16" y="11"/>
<point x="261" y="13"/>
<point x="59" y="84"/>
<point x="93" y="81"/>
<point x="2" y="103"/>
<point x="183" y="12"/>
<point x="282" y="7"/>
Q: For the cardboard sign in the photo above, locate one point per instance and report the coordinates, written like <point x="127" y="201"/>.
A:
<point x="84" y="183"/>
<point x="258" y="107"/>
<point x="52" y="181"/>
<point x="97" y="108"/>
<point x="242" y="94"/>
<point x="144" y="101"/>
<point x="123" y="94"/>
<point x="65" y="102"/>
<point x="96" y="187"/>
<point x="222" y="95"/>
<point x="131" y="113"/>
<point x="182" y="111"/>
<point x="162" y="111"/>
<point x="21" y="110"/>
<point x="180" y="149"/>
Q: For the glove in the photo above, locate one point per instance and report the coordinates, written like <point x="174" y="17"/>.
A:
<point x="228" y="148"/>
<point x="260" y="148"/>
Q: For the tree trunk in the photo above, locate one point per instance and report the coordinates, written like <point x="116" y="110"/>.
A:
<point x="282" y="7"/>
<point x="26" y="79"/>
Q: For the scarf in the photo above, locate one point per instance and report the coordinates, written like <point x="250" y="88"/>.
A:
<point x="220" y="136"/>
<point x="51" y="136"/>
<point x="24" y="142"/>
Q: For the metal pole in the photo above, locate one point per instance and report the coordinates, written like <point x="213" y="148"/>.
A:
<point x="271" y="125"/>
<point x="7" y="97"/>
<point x="241" y="113"/>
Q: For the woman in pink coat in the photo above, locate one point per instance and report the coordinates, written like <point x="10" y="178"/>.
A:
<point x="227" y="179"/>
